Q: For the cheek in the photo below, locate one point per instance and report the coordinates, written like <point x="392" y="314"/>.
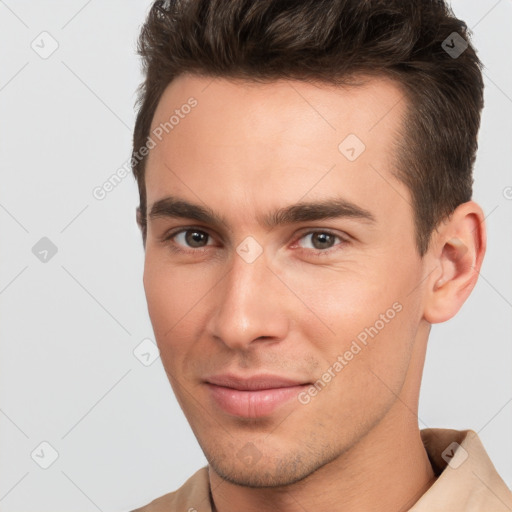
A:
<point x="171" y="293"/>
<point x="177" y="299"/>
<point x="343" y="300"/>
<point x="364" y="313"/>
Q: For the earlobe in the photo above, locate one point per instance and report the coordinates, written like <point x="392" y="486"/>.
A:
<point x="458" y="251"/>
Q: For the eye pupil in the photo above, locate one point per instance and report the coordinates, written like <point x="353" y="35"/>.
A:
<point x="196" y="238"/>
<point x="322" y="240"/>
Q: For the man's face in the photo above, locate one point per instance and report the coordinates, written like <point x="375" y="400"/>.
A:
<point x="253" y="307"/>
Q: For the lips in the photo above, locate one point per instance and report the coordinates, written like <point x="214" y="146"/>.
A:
<point x="252" y="397"/>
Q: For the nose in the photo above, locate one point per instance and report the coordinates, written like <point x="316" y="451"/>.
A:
<point x="249" y="306"/>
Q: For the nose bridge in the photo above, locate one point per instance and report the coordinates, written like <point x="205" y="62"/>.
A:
<point x="247" y="308"/>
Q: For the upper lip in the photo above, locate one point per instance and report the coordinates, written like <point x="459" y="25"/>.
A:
<point x="256" y="382"/>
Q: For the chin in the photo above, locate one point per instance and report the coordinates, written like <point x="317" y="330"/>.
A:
<point x="279" y="470"/>
<point x="258" y="478"/>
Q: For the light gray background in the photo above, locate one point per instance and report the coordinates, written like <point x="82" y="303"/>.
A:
<point x="68" y="327"/>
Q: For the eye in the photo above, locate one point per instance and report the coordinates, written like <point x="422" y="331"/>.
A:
<point x="319" y="240"/>
<point x="192" y="238"/>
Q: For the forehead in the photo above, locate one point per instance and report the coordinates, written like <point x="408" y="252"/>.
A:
<point x="372" y="103"/>
<point x="233" y="138"/>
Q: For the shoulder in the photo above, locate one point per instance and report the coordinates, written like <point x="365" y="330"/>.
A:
<point x="192" y="496"/>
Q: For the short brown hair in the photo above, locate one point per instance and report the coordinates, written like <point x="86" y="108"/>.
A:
<point x="333" y="41"/>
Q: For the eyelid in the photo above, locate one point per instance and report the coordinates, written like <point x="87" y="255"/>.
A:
<point x="343" y="239"/>
<point x="169" y="235"/>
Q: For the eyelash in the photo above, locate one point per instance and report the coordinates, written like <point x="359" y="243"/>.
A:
<point x="167" y="239"/>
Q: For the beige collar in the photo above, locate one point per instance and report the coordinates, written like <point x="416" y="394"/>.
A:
<point x="467" y="479"/>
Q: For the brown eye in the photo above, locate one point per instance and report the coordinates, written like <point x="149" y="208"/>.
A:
<point x="194" y="238"/>
<point x="318" y="240"/>
<point x="322" y="240"/>
<point x="190" y="238"/>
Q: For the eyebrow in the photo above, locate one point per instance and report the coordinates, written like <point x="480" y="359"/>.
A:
<point x="173" y="207"/>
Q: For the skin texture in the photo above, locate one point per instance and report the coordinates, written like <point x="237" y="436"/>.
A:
<point x="246" y="150"/>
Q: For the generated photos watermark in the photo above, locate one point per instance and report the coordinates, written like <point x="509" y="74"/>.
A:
<point x="356" y="347"/>
<point x="100" y="192"/>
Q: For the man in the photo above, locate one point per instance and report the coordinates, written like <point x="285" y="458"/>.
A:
<point x="304" y="170"/>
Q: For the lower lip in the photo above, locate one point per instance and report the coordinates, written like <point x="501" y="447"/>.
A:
<point x="252" y="404"/>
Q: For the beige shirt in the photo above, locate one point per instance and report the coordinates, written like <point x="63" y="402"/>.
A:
<point x="466" y="480"/>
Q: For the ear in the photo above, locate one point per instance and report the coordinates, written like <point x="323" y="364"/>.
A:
<point x="456" y="252"/>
